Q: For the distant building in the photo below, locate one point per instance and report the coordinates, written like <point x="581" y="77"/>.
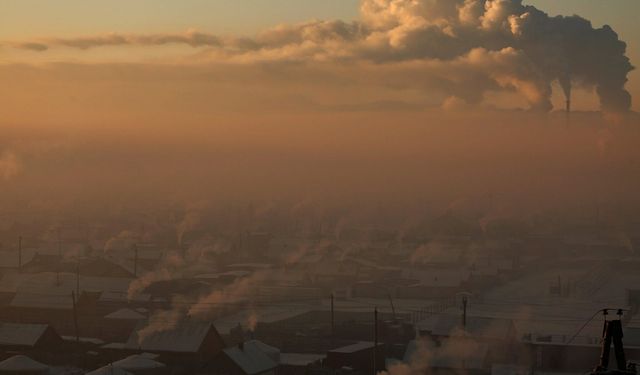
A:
<point x="188" y="343"/>
<point x="21" y="364"/>
<point x="247" y="358"/>
<point x="358" y="356"/>
<point x="40" y="341"/>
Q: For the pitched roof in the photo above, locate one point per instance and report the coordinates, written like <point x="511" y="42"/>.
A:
<point x="10" y="259"/>
<point x="138" y="362"/>
<point x="125" y="314"/>
<point x="42" y="301"/>
<point x="109" y="370"/>
<point x="363" y="345"/>
<point x="271" y="351"/>
<point x="18" y="334"/>
<point x="186" y="337"/>
<point x="250" y="358"/>
<point x="22" y="363"/>
<point x="299" y="359"/>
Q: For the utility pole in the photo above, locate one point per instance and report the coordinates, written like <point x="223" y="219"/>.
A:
<point x="135" y="260"/>
<point x="75" y="315"/>
<point x="332" y="318"/>
<point x="78" y="278"/>
<point x="375" y="341"/>
<point x="20" y="254"/>
<point x="59" y="258"/>
<point x="464" y="312"/>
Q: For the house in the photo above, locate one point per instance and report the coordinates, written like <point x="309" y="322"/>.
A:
<point x="141" y="364"/>
<point x="118" y="325"/>
<point x="53" y="309"/>
<point x="110" y="300"/>
<point x="37" y="340"/>
<point x="10" y="260"/>
<point x="20" y="336"/>
<point x="248" y="358"/>
<point x="188" y="342"/>
<point x="432" y="283"/>
<point x="21" y="364"/>
<point x="298" y="363"/>
<point x="109" y="370"/>
<point x="357" y="356"/>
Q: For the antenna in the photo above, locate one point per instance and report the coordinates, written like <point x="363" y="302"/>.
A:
<point x="20" y="254"/>
<point x="59" y="257"/>
<point x="375" y="341"/>
<point x="75" y="315"/>
<point x="464" y="312"/>
<point x="332" y="318"/>
<point x="78" y="277"/>
<point x="135" y="260"/>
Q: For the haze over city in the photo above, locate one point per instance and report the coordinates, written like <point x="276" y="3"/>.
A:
<point x="319" y="187"/>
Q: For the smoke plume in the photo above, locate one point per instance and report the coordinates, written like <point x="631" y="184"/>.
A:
<point x="468" y="48"/>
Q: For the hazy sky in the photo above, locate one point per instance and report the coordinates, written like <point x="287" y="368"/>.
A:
<point x="43" y="17"/>
<point x="370" y="111"/>
<point x="28" y="20"/>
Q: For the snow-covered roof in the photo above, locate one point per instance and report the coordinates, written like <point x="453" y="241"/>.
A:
<point x="250" y="358"/>
<point x="253" y="266"/>
<point x="271" y="351"/>
<point x="138" y="362"/>
<point x="223" y="274"/>
<point x="125" y="314"/>
<point x="299" y="359"/>
<point x="353" y="348"/>
<point x="186" y="337"/>
<point x="109" y="370"/>
<point x="10" y="259"/>
<point x="85" y="340"/>
<point x="123" y="296"/>
<point x="22" y="363"/>
<point x="42" y="301"/>
<point x="18" y="334"/>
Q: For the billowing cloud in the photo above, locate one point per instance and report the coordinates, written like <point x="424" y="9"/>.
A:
<point x="480" y="45"/>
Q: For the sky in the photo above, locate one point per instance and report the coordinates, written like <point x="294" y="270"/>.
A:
<point x="239" y="98"/>
<point x="76" y="18"/>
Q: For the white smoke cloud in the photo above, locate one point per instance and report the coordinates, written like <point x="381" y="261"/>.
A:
<point x="534" y="50"/>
